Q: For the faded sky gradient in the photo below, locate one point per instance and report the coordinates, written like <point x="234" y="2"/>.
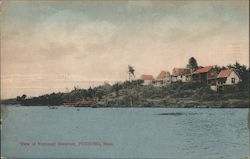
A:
<point x="49" y="46"/>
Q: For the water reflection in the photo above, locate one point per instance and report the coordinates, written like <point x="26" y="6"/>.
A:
<point x="177" y="113"/>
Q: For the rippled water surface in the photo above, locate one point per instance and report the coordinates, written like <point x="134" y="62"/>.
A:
<point x="40" y="132"/>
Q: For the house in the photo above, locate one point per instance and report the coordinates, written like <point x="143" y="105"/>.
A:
<point x="163" y="75"/>
<point x="162" y="79"/>
<point x="147" y="79"/>
<point x="205" y="75"/>
<point x="181" y="74"/>
<point x="172" y="79"/>
<point x="227" y="78"/>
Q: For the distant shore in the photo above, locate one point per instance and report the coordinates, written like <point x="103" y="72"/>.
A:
<point x="138" y="106"/>
<point x="134" y="94"/>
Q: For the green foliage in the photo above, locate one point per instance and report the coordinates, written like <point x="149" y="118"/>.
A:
<point x="218" y="68"/>
<point x="134" y="93"/>
<point x="21" y="99"/>
<point x="192" y="64"/>
<point x="243" y="73"/>
<point x="131" y="72"/>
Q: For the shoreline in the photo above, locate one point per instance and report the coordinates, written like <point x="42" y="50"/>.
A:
<point x="177" y="95"/>
<point x="113" y="106"/>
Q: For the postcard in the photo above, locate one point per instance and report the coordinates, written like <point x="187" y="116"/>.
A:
<point x="125" y="79"/>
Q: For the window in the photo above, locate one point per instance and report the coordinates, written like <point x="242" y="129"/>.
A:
<point x="220" y="82"/>
<point x="233" y="80"/>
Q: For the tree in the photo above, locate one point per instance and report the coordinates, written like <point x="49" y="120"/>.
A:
<point x="116" y="87"/>
<point x="218" y="68"/>
<point x="24" y="96"/>
<point x="18" y="98"/>
<point x="241" y="70"/>
<point x="192" y="64"/>
<point x="90" y="92"/>
<point x="131" y="72"/>
<point x="21" y="99"/>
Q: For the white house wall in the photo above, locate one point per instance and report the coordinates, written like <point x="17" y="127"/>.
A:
<point x="147" y="82"/>
<point x="182" y="78"/>
<point x="173" y="79"/>
<point x="229" y="79"/>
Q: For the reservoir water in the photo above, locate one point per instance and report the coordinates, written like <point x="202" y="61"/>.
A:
<point x="174" y="133"/>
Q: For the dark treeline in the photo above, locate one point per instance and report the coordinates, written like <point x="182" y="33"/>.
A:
<point x="134" y="93"/>
<point x="77" y="94"/>
<point x="242" y="70"/>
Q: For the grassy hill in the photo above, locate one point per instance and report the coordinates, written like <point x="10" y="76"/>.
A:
<point x="134" y="94"/>
<point x="175" y="95"/>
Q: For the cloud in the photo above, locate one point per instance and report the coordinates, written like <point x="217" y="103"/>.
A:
<point x="96" y="41"/>
<point x="56" y="51"/>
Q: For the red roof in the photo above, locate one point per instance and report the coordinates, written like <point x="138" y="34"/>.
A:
<point x="163" y="75"/>
<point x="224" y="73"/>
<point x="147" y="77"/>
<point x="204" y="69"/>
<point x="181" y="71"/>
